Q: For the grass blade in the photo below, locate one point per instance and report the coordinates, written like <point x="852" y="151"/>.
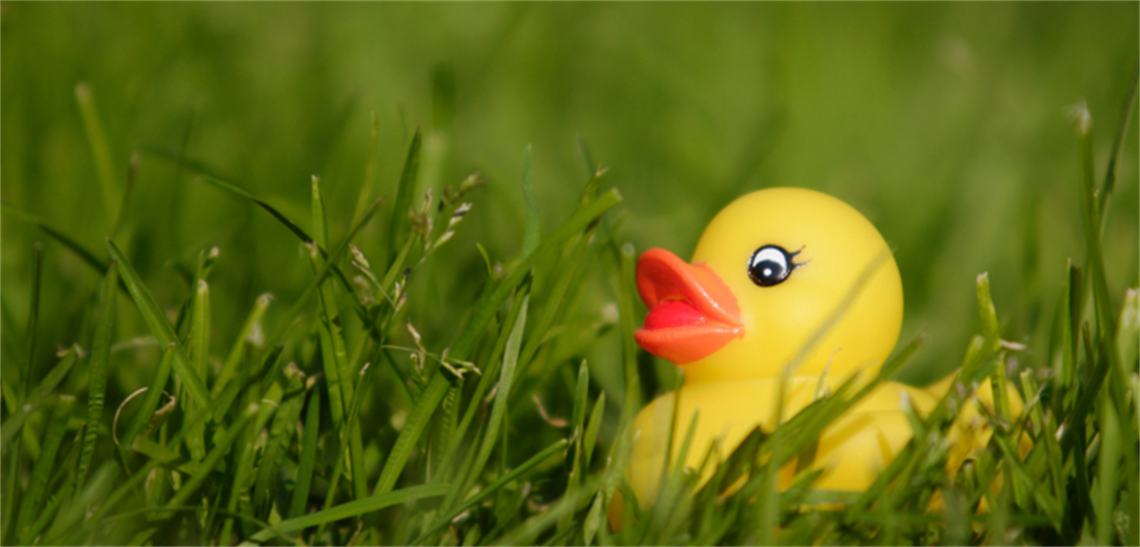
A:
<point x="632" y="401"/>
<point x="284" y="424"/>
<point x="160" y="327"/>
<point x="328" y="267"/>
<point x="1107" y="470"/>
<point x="499" y="406"/>
<point x="369" y="171"/>
<point x="146" y="412"/>
<point x="97" y="370"/>
<point x="238" y="191"/>
<point x="1117" y="144"/>
<point x="352" y="509"/>
<point x="487" y="306"/>
<point x="41" y="472"/>
<point x="484" y="493"/>
<point x="37" y="397"/>
<point x="593" y="426"/>
<point x="33" y="316"/>
<point x="104" y="166"/>
<point x="250" y="333"/>
<point x="398" y="230"/>
<point x="290" y="225"/>
<point x="221" y="448"/>
<point x="200" y="352"/>
<point x="414" y="427"/>
<point x="531" y="231"/>
<point x="308" y="456"/>
<point x="87" y="256"/>
<point x="339" y="381"/>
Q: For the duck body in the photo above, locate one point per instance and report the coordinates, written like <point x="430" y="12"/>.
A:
<point x="786" y="285"/>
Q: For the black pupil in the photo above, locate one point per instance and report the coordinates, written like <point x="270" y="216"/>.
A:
<point x="769" y="266"/>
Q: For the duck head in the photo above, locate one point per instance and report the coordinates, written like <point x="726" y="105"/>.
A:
<point x="767" y="273"/>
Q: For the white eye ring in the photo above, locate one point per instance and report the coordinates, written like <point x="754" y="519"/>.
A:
<point x="771" y="265"/>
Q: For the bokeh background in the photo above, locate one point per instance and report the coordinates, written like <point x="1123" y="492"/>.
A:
<point x="945" y="123"/>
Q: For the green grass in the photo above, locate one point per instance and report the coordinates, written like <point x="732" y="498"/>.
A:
<point x="430" y="340"/>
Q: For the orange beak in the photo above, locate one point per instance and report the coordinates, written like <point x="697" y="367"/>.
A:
<point x="692" y="313"/>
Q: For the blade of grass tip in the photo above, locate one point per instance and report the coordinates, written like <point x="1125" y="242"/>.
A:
<point x="352" y="509"/>
<point x="484" y="493"/>
<point x="632" y="402"/>
<point x="400" y="225"/>
<point x="369" y="171"/>
<point x="531" y="231"/>
<point x="990" y="328"/>
<point x="190" y="487"/>
<point x="1094" y="259"/>
<point x="250" y="333"/>
<point x="86" y="256"/>
<point x="200" y="353"/>
<point x="37" y="486"/>
<point x="97" y="370"/>
<point x="160" y="327"/>
<point x="37" y="397"/>
<point x="309" y="438"/>
<point x="1117" y="144"/>
<point x="100" y="150"/>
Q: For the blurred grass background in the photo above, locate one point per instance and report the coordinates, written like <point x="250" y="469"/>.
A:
<point x="944" y="123"/>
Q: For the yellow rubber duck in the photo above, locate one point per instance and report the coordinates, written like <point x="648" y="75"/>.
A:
<point x="768" y="271"/>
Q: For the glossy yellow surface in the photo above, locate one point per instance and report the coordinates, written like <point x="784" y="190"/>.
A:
<point x="835" y="244"/>
<point x="735" y="389"/>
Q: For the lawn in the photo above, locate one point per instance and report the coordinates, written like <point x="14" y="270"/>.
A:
<point x="363" y="273"/>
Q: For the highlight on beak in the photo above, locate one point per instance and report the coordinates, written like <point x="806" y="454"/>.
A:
<point x="692" y="313"/>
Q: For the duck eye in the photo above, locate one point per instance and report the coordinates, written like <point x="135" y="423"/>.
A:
<point x="771" y="265"/>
